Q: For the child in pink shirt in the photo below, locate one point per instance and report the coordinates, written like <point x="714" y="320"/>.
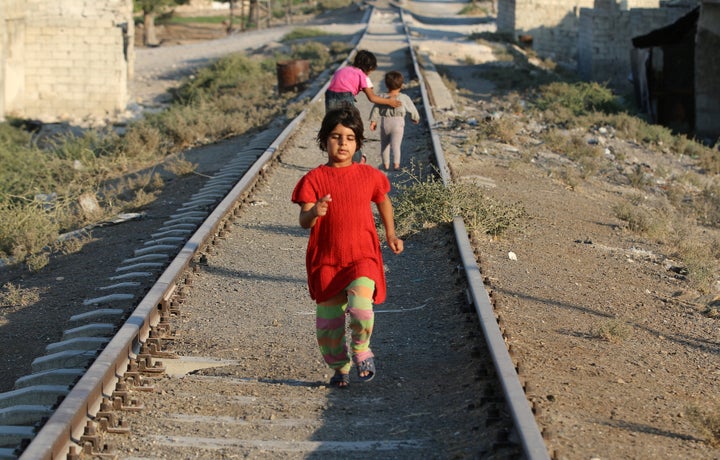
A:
<point x="348" y="81"/>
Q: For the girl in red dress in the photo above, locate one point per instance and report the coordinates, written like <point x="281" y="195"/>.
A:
<point x="344" y="261"/>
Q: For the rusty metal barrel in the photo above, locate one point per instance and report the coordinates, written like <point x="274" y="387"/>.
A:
<point x="292" y="74"/>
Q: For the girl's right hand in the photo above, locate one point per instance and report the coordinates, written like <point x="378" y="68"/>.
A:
<point x="321" y="206"/>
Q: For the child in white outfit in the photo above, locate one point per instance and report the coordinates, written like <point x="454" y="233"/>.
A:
<point x="392" y="119"/>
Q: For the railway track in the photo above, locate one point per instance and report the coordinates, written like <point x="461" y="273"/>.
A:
<point x="218" y="359"/>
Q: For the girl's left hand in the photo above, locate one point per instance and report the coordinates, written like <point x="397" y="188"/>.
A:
<point x="396" y="245"/>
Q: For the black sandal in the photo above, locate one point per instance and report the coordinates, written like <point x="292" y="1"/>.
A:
<point x="340" y="380"/>
<point x="366" y="366"/>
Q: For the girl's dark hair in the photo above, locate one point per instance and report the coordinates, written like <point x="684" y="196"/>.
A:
<point x="349" y="117"/>
<point x="365" y="61"/>
<point x="393" y="80"/>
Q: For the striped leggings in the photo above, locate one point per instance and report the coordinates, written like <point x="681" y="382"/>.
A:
<point x="355" y="301"/>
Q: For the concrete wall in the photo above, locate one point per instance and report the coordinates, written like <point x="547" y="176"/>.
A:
<point x="605" y="38"/>
<point x="590" y="36"/>
<point x="707" y="72"/>
<point x="505" y="18"/>
<point x="65" y="60"/>
<point x="553" y="25"/>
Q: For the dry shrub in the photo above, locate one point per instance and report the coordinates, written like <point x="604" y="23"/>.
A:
<point x="26" y="230"/>
<point x="574" y="146"/>
<point x="699" y="259"/>
<point x="564" y="103"/>
<point x="186" y="126"/>
<point x="707" y="205"/>
<point x="638" y="219"/>
<point x="639" y="178"/>
<point x="300" y="33"/>
<point x="709" y="160"/>
<point x="317" y="53"/>
<point x="141" y="190"/>
<point x="554" y="140"/>
<point x="612" y="331"/>
<point x="37" y="261"/>
<point x="72" y="242"/>
<point x="502" y="129"/>
<point x="140" y="200"/>
<point x="426" y="202"/>
<point x="15" y="296"/>
<point x="142" y="140"/>
<point x="570" y="177"/>
<point x="587" y="166"/>
<point x="707" y="421"/>
<point x="180" y="166"/>
<point x="577" y="147"/>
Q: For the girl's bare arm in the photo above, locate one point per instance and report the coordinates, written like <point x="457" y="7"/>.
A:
<point x="375" y="99"/>
<point x="309" y="212"/>
<point x="385" y="210"/>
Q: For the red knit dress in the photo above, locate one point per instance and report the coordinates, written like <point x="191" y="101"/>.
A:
<point x="343" y="244"/>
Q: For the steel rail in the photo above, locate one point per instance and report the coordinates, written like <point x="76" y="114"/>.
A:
<point x="528" y="431"/>
<point x="65" y="427"/>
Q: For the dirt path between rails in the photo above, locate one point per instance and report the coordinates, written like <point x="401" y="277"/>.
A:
<point x="578" y="269"/>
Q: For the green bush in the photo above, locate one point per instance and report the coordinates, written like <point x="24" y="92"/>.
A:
<point x="580" y="98"/>
<point x="232" y="73"/>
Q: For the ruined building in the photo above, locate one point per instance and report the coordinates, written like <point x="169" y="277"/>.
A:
<point x="595" y="38"/>
<point x="65" y="60"/>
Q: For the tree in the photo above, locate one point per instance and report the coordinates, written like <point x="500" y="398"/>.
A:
<point x="258" y="10"/>
<point x="233" y="6"/>
<point x="150" y="9"/>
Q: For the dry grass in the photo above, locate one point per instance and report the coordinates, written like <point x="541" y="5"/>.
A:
<point x="227" y="98"/>
<point x="180" y="166"/>
<point x="569" y="117"/>
<point x="707" y="421"/>
<point x="423" y="201"/>
<point x="72" y="242"/>
<point x="12" y="296"/>
<point x="612" y="331"/>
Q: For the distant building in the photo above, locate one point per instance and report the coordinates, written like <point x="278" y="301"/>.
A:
<point x="590" y="36"/>
<point x="664" y="73"/>
<point x="707" y="71"/>
<point x="65" y="60"/>
<point x="595" y="38"/>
